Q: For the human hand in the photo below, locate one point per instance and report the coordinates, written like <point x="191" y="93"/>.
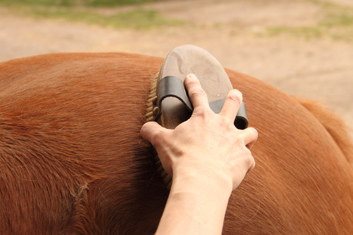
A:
<point x="207" y="144"/>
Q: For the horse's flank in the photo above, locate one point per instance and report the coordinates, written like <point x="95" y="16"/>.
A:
<point x="72" y="160"/>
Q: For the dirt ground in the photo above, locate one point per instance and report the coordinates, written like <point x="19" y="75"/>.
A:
<point x="320" y="69"/>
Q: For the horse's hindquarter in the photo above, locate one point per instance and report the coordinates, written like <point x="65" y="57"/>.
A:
<point x="302" y="183"/>
<point x="73" y="160"/>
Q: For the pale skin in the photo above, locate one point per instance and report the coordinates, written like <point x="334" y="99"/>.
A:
<point x="207" y="157"/>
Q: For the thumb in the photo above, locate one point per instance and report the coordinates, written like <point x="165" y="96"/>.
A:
<point x="153" y="132"/>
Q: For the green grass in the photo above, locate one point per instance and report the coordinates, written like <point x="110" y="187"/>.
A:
<point x="71" y="3"/>
<point x="338" y="26"/>
<point x="336" y="23"/>
<point x="137" y="19"/>
<point x="117" y="2"/>
<point x="305" y="32"/>
<point x="80" y="12"/>
<point x="339" y="19"/>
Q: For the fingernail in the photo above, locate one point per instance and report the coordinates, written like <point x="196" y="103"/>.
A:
<point x="191" y="76"/>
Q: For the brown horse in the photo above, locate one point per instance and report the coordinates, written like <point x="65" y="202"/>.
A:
<point x="72" y="160"/>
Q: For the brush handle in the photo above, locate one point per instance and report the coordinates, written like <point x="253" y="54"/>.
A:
<point x="171" y="86"/>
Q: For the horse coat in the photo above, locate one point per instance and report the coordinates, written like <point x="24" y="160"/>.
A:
<point x="72" y="160"/>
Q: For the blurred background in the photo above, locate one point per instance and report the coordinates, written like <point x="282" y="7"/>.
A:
<point x="303" y="47"/>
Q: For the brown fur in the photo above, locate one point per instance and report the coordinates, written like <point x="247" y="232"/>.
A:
<point x="72" y="160"/>
<point x="333" y="124"/>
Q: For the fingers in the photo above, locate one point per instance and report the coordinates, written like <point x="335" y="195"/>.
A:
<point x="249" y="137"/>
<point x="197" y="95"/>
<point x="232" y="105"/>
<point x="154" y="133"/>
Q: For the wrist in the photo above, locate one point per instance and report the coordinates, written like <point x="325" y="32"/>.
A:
<point x="198" y="199"/>
<point x="191" y="176"/>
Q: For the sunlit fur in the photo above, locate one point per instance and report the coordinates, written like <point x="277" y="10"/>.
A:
<point x="72" y="160"/>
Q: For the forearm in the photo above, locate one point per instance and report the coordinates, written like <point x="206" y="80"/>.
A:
<point x="196" y="204"/>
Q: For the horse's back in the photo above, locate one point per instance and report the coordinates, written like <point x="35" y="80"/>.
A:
<point x="73" y="161"/>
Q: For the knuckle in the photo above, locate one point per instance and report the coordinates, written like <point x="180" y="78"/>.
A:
<point x="240" y="142"/>
<point x="235" y="96"/>
<point x="248" y="158"/>
<point x="197" y="91"/>
<point x="249" y="163"/>
<point x="156" y="138"/>
<point x="226" y="123"/>
<point x="203" y="112"/>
